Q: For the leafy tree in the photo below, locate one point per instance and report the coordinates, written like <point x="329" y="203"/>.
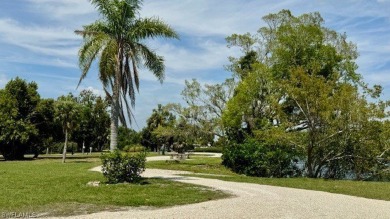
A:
<point x="18" y="101"/>
<point x="255" y="105"/>
<point x="127" y="137"/>
<point x="67" y="113"/>
<point x="192" y="125"/>
<point x="49" y="130"/>
<point x="200" y="120"/>
<point x="101" y="121"/>
<point x="305" y="95"/>
<point x="160" y="117"/>
<point x="94" y="122"/>
<point x="241" y="66"/>
<point x="117" y="41"/>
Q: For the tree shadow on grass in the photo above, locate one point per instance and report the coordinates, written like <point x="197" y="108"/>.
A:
<point x="80" y="161"/>
<point x="145" y="182"/>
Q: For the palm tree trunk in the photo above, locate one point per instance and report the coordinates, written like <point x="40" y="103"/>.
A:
<point x="115" y="105"/>
<point x="65" y="146"/>
<point x="114" y="124"/>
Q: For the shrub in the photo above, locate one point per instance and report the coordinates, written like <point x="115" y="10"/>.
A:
<point x="119" y="168"/>
<point x="254" y="158"/>
<point x="188" y="147"/>
<point x="209" y="149"/>
<point x="134" y="148"/>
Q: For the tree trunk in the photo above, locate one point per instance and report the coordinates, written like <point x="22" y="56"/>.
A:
<point x="115" y="105"/>
<point x="65" y="146"/>
<point x="310" y="161"/>
<point x="114" y="126"/>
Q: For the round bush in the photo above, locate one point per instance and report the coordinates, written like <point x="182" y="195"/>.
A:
<point x="119" y="168"/>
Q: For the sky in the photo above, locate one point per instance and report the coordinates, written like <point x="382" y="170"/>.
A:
<point x="37" y="42"/>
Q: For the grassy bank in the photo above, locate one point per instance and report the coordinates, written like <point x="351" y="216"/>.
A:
<point x="48" y="187"/>
<point x="199" y="165"/>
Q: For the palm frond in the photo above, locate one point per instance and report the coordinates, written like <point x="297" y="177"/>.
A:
<point x="104" y="7"/>
<point x="152" y="61"/>
<point x="107" y="63"/>
<point x="151" y="28"/>
<point x="98" y="27"/>
<point x="130" y="114"/>
<point x="135" y="72"/>
<point x="88" y="53"/>
<point x="128" y="86"/>
<point x="117" y="37"/>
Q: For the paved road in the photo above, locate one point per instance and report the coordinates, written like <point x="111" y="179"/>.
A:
<point x="257" y="201"/>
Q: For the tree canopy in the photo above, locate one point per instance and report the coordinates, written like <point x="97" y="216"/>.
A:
<point x="299" y="87"/>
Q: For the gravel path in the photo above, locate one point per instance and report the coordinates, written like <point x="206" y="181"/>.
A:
<point x="257" y="201"/>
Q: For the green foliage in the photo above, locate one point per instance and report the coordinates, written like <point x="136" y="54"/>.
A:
<point x="254" y="104"/>
<point x="209" y="149"/>
<point x="94" y="121"/>
<point x="58" y="147"/>
<point x="49" y="129"/>
<point x="119" y="168"/>
<point x="67" y="112"/>
<point x="127" y="137"/>
<point x="158" y="130"/>
<point x="254" y="158"/>
<point x="301" y="89"/>
<point x="134" y="148"/>
<point x="18" y="103"/>
<point x="117" y="40"/>
<point x="206" y="104"/>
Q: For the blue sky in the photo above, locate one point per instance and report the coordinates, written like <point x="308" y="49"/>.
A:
<point x="37" y="42"/>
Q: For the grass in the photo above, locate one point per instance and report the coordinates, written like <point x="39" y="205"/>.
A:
<point x="208" y="149"/>
<point x="48" y="187"/>
<point x="199" y="165"/>
<point x="79" y="155"/>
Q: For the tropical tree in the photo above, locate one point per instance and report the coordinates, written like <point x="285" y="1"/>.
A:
<point x="206" y="105"/>
<point x="67" y="113"/>
<point x="94" y="122"/>
<point x="117" y="40"/>
<point x="160" y="117"/>
<point x="128" y="137"/>
<point x="300" y="90"/>
<point x="49" y="130"/>
<point x="18" y="103"/>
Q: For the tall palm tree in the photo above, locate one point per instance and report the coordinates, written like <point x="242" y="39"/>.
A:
<point x="117" y="40"/>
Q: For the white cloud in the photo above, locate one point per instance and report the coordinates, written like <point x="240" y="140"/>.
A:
<point x="208" y="55"/>
<point x="40" y="60"/>
<point x="3" y="80"/>
<point x="62" y="9"/>
<point x="56" y="46"/>
<point x="203" y="17"/>
<point x="16" y="32"/>
<point x="94" y="90"/>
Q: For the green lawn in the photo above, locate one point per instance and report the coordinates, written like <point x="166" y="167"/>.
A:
<point x="199" y="165"/>
<point x="46" y="186"/>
